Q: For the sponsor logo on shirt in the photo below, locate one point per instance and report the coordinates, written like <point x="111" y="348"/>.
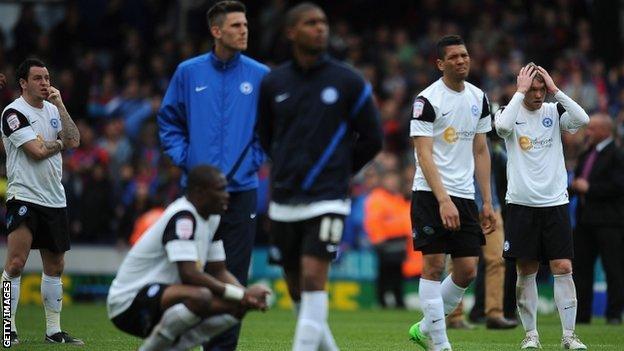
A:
<point x="527" y="143"/>
<point x="451" y="135"/>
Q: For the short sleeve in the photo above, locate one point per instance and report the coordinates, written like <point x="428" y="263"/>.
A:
<point x="485" y="109"/>
<point x="216" y="252"/>
<point x="17" y="128"/>
<point x="179" y="237"/>
<point x="423" y="116"/>
<point x="485" y="124"/>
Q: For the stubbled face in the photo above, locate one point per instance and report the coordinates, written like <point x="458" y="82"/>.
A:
<point x="456" y="62"/>
<point x="534" y="98"/>
<point x="311" y="32"/>
<point x="36" y="83"/>
<point x="233" y="34"/>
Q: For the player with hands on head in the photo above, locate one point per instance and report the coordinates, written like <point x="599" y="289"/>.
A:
<point x="36" y="127"/>
<point x="537" y="227"/>
<point x="162" y="294"/>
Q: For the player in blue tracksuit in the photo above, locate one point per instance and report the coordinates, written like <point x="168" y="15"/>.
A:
<point x="208" y="116"/>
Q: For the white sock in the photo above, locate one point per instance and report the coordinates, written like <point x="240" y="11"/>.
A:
<point x="176" y="320"/>
<point x="526" y="295"/>
<point x="15" y="295"/>
<point x="433" y="310"/>
<point x="327" y="340"/>
<point x="52" y="296"/>
<point x="311" y="321"/>
<point x="451" y="294"/>
<point x="565" y="299"/>
<point x="204" y="331"/>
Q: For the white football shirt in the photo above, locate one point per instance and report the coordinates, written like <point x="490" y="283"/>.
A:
<point x="536" y="172"/>
<point x="452" y="119"/>
<point x="38" y="182"/>
<point x="180" y="234"/>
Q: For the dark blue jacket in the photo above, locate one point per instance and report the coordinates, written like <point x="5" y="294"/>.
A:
<point x="208" y="115"/>
<point x="319" y="126"/>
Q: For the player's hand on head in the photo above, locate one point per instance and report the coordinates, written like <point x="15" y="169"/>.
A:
<point x="2" y="81"/>
<point x="525" y="78"/>
<point x="449" y="215"/>
<point x="550" y="83"/>
<point x="54" y="95"/>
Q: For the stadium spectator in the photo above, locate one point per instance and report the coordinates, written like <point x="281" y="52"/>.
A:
<point x="538" y="221"/>
<point x="599" y="182"/>
<point x="448" y="126"/>
<point x="36" y="127"/>
<point x="387" y="222"/>
<point x="319" y="125"/>
<point x="208" y="116"/>
<point x="160" y="292"/>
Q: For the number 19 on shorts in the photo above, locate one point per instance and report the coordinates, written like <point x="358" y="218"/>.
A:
<point x="331" y="229"/>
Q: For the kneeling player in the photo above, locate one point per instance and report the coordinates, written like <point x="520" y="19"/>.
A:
<point x="161" y="293"/>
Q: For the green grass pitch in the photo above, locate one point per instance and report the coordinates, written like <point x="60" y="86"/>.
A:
<point x="362" y="330"/>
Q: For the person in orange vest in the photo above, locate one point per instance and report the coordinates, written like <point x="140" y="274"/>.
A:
<point x="387" y="222"/>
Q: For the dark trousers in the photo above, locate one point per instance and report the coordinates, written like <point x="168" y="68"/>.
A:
<point x="589" y="243"/>
<point x="238" y="229"/>
<point x="390" y="278"/>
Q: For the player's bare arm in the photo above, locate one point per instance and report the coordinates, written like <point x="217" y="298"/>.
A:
<point x="39" y="149"/>
<point x="69" y="135"/>
<point x="253" y="297"/>
<point x="448" y="211"/>
<point x="482" y="173"/>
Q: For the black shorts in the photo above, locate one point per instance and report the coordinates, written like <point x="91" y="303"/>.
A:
<point x="538" y="233"/>
<point x="430" y="236"/>
<point x="49" y="225"/>
<point x="144" y="312"/>
<point x="319" y="237"/>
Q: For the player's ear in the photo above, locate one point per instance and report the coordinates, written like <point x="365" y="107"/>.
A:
<point x="440" y="64"/>
<point x="215" y="31"/>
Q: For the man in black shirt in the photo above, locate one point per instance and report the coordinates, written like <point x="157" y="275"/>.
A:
<point x="319" y="125"/>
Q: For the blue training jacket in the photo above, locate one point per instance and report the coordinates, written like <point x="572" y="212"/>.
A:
<point x="208" y="116"/>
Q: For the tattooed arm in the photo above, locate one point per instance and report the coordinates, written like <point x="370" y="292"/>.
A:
<point x="39" y="149"/>
<point x="69" y="135"/>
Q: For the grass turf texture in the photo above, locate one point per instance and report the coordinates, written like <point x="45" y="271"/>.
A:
<point x="361" y="330"/>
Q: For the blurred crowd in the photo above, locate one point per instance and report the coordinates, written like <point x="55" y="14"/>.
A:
<point x="112" y="61"/>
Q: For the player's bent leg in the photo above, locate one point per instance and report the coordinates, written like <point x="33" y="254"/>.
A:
<point x="184" y="306"/>
<point x="19" y="242"/>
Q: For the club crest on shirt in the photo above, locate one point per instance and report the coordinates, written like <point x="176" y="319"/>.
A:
<point x="506" y="246"/>
<point x="547" y="122"/>
<point x="153" y="290"/>
<point x="419" y="106"/>
<point x="246" y="88"/>
<point x="329" y="95"/>
<point x="54" y="123"/>
<point x="22" y="210"/>
<point x="13" y="121"/>
<point x="475" y="110"/>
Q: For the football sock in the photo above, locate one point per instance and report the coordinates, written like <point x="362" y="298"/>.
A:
<point x="176" y="320"/>
<point x="526" y="294"/>
<point x="565" y="299"/>
<point x="52" y="296"/>
<point x="311" y="321"/>
<point x="433" y="310"/>
<point x="327" y="340"/>
<point x="15" y="295"/>
<point x="451" y="294"/>
<point x="204" y="331"/>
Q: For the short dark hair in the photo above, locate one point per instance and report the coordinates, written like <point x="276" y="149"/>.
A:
<point x="202" y="177"/>
<point x="448" y="40"/>
<point x="24" y="68"/>
<point x="294" y="14"/>
<point x="538" y="76"/>
<point x="218" y="11"/>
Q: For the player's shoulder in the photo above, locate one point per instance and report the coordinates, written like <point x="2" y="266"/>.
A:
<point x="345" y="71"/>
<point x="433" y="94"/>
<point x="194" y="61"/>
<point x="254" y="64"/>
<point x="15" y="105"/>
<point x="474" y="90"/>
<point x="180" y="205"/>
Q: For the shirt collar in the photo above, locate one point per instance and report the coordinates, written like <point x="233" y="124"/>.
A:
<point x="601" y="145"/>
<point x="323" y="59"/>
<point x="224" y="65"/>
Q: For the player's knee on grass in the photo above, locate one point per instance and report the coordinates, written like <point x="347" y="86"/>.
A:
<point x="563" y="266"/>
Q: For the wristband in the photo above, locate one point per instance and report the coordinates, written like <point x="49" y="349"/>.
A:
<point x="60" y="142"/>
<point x="233" y="292"/>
